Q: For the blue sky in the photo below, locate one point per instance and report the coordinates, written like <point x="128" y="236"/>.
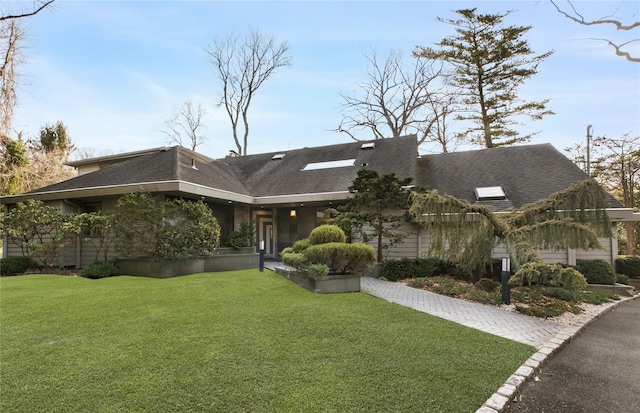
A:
<point x="113" y="70"/>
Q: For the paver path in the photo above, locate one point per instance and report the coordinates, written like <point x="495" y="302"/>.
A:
<point x="521" y="328"/>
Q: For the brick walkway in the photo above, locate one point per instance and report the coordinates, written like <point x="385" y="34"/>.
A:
<point x="517" y="327"/>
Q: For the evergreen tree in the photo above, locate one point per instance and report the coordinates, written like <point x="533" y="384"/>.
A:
<point x="376" y="210"/>
<point x="489" y="62"/>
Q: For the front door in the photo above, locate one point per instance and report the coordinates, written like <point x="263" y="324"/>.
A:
<point x="265" y="233"/>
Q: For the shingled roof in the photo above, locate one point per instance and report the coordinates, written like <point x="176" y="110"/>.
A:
<point x="525" y="173"/>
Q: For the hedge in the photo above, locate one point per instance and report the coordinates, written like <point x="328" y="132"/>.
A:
<point x="628" y="265"/>
<point x="596" y="271"/>
<point x="403" y="268"/>
<point x="16" y="265"/>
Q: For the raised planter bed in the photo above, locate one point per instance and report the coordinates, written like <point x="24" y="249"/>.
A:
<point x="232" y="261"/>
<point x="622" y="290"/>
<point x="146" y="267"/>
<point x="347" y="283"/>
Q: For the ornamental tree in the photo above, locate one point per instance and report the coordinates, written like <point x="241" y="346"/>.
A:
<point x="171" y="230"/>
<point x="376" y="210"/>
<point x="466" y="234"/>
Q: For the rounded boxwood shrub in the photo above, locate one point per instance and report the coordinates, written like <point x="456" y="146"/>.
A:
<point x="596" y="271"/>
<point x="100" y="269"/>
<point x="341" y="258"/>
<point x="16" y="265"/>
<point x="628" y="265"/>
<point x="327" y="233"/>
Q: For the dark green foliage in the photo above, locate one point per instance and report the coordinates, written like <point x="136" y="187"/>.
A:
<point x="100" y="269"/>
<point x="341" y="258"/>
<point x="376" y="211"/>
<point x="628" y="265"/>
<point x="560" y="293"/>
<point x="596" y="271"/>
<point x="327" y="233"/>
<point x="16" y="265"/>
<point x="484" y="297"/>
<point x="623" y="279"/>
<point x="403" y="268"/>
<point x="243" y="237"/>
<point x="487" y="285"/>
<point x="599" y="297"/>
<point x="172" y="230"/>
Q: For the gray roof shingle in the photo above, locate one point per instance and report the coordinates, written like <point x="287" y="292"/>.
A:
<point x="526" y="173"/>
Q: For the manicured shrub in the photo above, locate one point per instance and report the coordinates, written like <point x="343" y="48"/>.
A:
<point x="596" y="271"/>
<point x="534" y="273"/>
<point x="341" y="258"/>
<point x="100" y="269"/>
<point x="293" y="259"/>
<point x="628" y="265"/>
<point x="403" y="268"/>
<point x="16" y="265"/>
<point x="570" y="279"/>
<point x="301" y="245"/>
<point x="548" y="275"/>
<point x="327" y="233"/>
<point x="623" y="279"/>
<point x="394" y="270"/>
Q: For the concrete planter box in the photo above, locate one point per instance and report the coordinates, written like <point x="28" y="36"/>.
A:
<point x="622" y="290"/>
<point x="232" y="261"/>
<point x="234" y="251"/>
<point x="635" y="282"/>
<point x="347" y="283"/>
<point x="147" y="267"/>
<point x="374" y="272"/>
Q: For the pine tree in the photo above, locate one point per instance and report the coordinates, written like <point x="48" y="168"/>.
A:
<point x="489" y="62"/>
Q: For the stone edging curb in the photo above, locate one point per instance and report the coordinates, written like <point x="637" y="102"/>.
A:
<point x="505" y="394"/>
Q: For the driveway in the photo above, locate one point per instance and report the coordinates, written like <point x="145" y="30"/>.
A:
<point x="598" y="371"/>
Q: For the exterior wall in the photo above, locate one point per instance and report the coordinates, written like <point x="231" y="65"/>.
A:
<point x="416" y="242"/>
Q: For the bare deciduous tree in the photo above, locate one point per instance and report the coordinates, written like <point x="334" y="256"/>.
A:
<point x="396" y="100"/>
<point x="26" y="11"/>
<point x="243" y="64"/>
<point x="11" y="37"/>
<point x="183" y="126"/>
<point x="615" y="164"/>
<point x="575" y="16"/>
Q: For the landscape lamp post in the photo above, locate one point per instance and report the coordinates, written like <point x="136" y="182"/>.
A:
<point x="261" y="255"/>
<point x="506" y="272"/>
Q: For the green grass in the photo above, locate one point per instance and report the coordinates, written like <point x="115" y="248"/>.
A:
<point x="240" y="341"/>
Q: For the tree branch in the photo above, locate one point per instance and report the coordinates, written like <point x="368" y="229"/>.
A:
<point x="581" y="20"/>
<point x="22" y="15"/>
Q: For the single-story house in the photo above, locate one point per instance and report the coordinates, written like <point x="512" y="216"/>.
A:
<point x="287" y="193"/>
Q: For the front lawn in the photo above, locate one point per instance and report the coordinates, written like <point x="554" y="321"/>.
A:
<point x="239" y="341"/>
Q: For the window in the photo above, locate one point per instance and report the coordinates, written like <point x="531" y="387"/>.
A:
<point x="486" y="193"/>
<point x="329" y="164"/>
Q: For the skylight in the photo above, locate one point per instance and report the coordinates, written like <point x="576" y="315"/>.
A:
<point x="490" y="193"/>
<point x="329" y="164"/>
<point x="278" y="156"/>
<point x="368" y="145"/>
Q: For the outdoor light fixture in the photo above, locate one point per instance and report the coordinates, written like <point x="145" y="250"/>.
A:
<point x="292" y="213"/>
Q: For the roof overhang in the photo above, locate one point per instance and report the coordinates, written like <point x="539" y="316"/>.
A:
<point x="623" y="215"/>
<point x="177" y="186"/>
